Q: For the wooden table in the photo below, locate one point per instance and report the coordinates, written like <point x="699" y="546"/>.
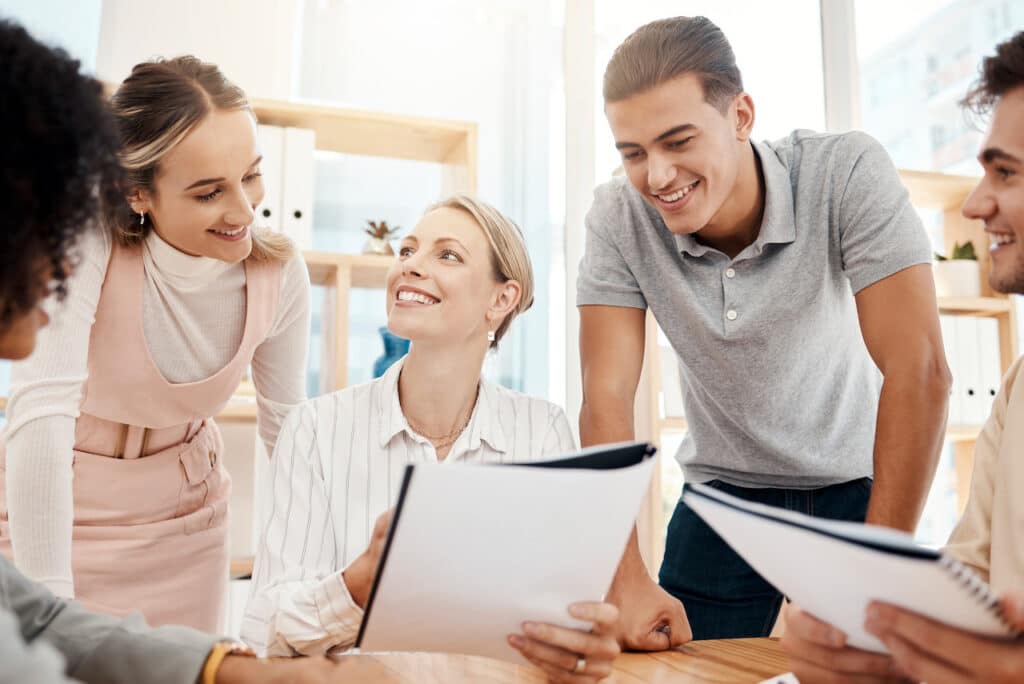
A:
<point x="728" y="661"/>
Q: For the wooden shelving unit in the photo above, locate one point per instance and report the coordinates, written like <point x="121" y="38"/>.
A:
<point x="452" y="144"/>
<point x="943" y="192"/>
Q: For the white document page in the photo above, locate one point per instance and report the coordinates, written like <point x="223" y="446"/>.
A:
<point x="478" y="549"/>
<point x="835" y="569"/>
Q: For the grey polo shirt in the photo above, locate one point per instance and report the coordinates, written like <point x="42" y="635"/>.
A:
<point x="778" y="386"/>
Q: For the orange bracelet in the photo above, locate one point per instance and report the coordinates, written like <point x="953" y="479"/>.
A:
<point x="218" y="653"/>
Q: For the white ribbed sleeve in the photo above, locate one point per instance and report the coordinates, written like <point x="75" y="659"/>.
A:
<point x="193" y="318"/>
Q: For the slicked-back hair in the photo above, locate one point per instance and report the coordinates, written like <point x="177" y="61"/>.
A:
<point x="666" y="49"/>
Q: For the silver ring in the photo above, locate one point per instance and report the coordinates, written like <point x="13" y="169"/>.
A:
<point x="581" y="665"/>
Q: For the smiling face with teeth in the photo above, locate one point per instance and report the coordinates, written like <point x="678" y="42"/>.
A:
<point x="207" y="187"/>
<point x="688" y="158"/>
<point x="999" y="198"/>
<point x="442" y="289"/>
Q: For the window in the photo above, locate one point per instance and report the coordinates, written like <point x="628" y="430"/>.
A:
<point x="941" y="42"/>
<point x="494" y="62"/>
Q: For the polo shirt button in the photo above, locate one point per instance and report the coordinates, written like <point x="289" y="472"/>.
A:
<point x="730" y="314"/>
<point x="730" y="273"/>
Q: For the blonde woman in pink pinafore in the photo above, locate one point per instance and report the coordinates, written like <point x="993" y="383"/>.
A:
<point x="114" y="489"/>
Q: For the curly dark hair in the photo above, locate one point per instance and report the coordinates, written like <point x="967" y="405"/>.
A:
<point x="1000" y="73"/>
<point x="58" y="166"/>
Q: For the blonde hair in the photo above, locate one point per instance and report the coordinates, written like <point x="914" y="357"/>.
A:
<point x="509" y="256"/>
<point x="155" y="108"/>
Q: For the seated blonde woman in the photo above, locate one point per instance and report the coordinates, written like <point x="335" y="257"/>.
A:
<point x="459" y="279"/>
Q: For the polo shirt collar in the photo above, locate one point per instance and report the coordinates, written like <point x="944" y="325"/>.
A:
<point x="778" y="225"/>
<point x="483" y="423"/>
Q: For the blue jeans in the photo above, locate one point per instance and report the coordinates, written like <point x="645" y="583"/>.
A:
<point x="724" y="597"/>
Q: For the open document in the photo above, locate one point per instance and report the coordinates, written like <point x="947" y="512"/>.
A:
<point x="834" y="569"/>
<point x="474" y="550"/>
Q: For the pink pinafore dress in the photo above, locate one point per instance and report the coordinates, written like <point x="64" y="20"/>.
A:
<point x="150" y="489"/>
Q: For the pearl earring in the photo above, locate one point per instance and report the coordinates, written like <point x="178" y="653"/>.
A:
<point x="142" y="218"/>
<point x="490" y="336"/>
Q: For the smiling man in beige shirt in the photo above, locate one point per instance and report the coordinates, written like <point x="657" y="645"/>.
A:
<point x="990" y="535"/>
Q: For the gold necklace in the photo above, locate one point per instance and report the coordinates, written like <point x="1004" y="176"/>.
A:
<point x="449" y="439"/>
<point x="443" y="440"/>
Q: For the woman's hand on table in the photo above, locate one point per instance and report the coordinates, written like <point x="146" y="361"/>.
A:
<point x="573" y="656"/>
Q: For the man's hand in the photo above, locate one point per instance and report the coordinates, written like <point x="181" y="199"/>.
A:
<point x="572" y="656"/>
<point x="818" y="654"/>
<point x="650" y="619"/>
<point x="359" y="574"/>
<point x="939" y="654"/>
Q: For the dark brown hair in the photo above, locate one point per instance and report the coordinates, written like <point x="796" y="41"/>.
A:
<point x="1000" y="73"/>
<point x="669" y="48"/>
<point x="155" y="108"/>
<point x="58" y="164"/>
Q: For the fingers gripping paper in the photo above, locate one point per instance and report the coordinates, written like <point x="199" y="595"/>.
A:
<point x="834" y="569"/>
<point x="475" y="550"/>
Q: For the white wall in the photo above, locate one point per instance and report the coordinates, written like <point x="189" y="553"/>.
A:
<point x="77" y="30"/>
<point x="253" y="41"/>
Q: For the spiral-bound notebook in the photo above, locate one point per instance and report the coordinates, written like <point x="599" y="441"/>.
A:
<point x="834" y="569"/>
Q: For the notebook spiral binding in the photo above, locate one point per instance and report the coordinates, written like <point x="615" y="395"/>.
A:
<point x="978" y="589"/>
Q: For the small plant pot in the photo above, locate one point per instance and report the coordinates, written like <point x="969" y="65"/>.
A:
<point x="378" y="246"/>
<point x="957" y="278"/>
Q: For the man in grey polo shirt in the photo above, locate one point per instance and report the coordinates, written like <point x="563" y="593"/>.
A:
<point x="793" y="281"/>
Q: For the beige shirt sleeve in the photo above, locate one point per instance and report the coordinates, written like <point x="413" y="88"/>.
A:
<point x="971" y="541"/>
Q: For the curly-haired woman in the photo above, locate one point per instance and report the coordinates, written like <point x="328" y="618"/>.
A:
<point x="115" y="489"/>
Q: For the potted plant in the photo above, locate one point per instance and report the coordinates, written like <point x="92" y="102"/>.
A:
<point x="959" y="275"/>
<point x="380" y="237"/>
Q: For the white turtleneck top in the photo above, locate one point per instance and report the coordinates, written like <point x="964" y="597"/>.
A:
<point x="193" y="319"/>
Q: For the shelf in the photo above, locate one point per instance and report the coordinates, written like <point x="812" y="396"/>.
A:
<point x="353" y="131"/>
<point x="962" y="433"/>
<point x="237" y="412"/>
<point x="930" y="190"/>
<point x="673" y="424"/>
<point x="976" y="306"/>
<point x="367" y="271"/>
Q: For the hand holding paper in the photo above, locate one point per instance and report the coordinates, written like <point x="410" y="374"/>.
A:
<point x="476" y="551"/>
<point x="360" y="573"/>
<point x="572" y="655"/>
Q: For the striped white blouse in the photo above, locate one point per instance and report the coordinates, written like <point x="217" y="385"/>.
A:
<point x="337" y="466"/>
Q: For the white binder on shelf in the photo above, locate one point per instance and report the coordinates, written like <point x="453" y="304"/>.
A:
<point x="989" y="356"/>
<point x="975" y="406"/>
<point x="268" y="213"/>
<point x="956" y="397"/>
<point x="297" y="196"/>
